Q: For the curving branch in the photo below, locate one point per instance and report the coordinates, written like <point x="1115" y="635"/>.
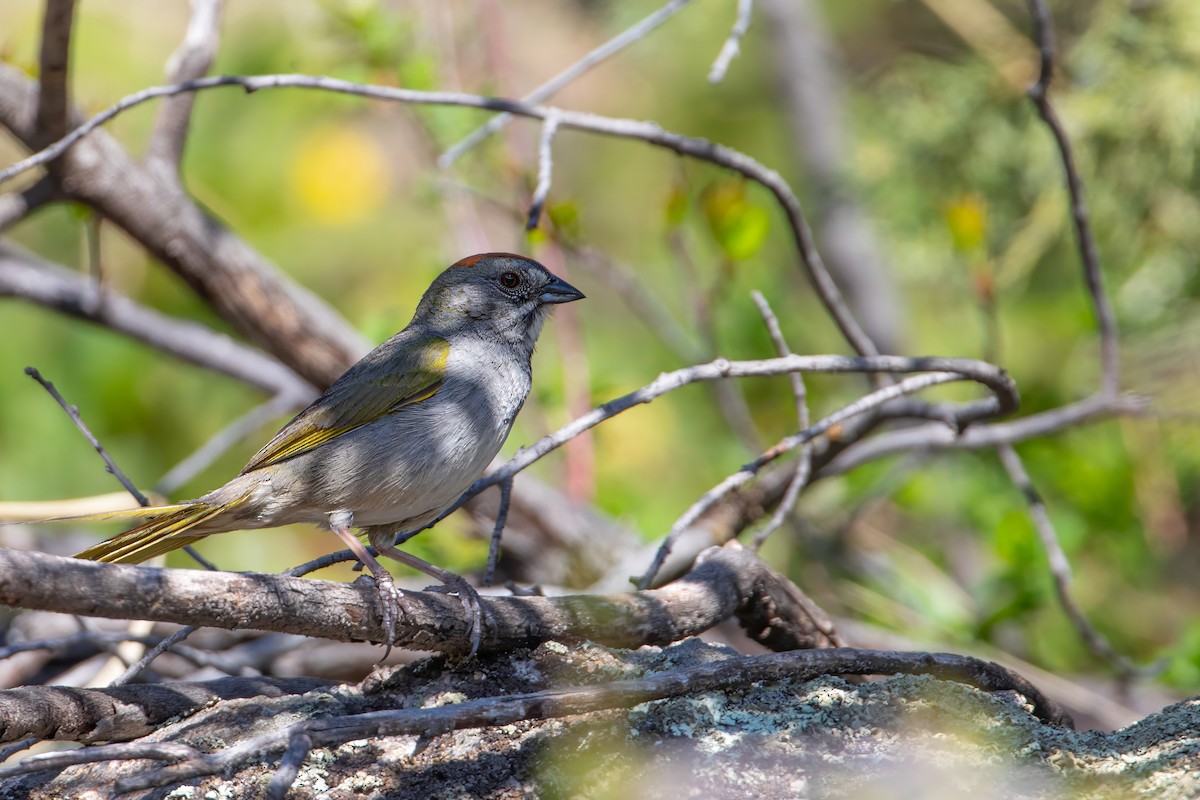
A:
<point x="647" y="132"/>
<point x="1110" y="359"/>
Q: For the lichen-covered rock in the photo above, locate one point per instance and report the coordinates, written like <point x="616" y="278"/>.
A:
<point x="909" y="736"/>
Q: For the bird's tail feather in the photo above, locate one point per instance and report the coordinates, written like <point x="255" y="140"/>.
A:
<point x="165" y="529"/>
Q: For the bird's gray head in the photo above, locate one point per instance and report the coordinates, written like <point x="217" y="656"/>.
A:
<point x="494" y="294"/>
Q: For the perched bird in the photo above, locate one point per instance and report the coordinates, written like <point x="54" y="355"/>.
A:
<point x="395" y="440"/>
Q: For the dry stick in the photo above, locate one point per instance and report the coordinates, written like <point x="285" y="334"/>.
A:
<point x="1094" y="277"/>
<point x="545" y="170"/>
<point x="936" y="437"/>
<point x="799" y="392"/>
<point x="498" y="530"/>
<point x="1060" y="568"/>
<point x="725" y="582"/>
<point x="157" y="751"/>
<point x="730" y="50"/>
<point x="54" y="59"/>
<point x="109" y="465"/>
<point x="16" y="206"/>
<point x="555" y="703"/>
<point x="647" y="132"/>
<point x="300" y="743"/>
<point x="11" y="750"/>
<point x="547" y="89"/>
<point x="744" y="475"/>
<point x="191" y="59"/>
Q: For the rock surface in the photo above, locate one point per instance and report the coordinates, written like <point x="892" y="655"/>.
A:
<point x="909" y="736"/>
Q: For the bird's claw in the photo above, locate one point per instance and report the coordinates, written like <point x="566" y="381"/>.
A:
<point x="391" y="600"/>
<point x="472" y="605"/>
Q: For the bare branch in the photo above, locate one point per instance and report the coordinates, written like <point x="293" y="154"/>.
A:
<point x="53" y="103"/>
<point x="729" y="581"/>
<point x="128" y="712"/>
<point x="191" y="60"/>
<point x="730" y="50"/>
<point x="935" y="437"/>
<point x="804" y="462"/>
<point x="1005" y="401"/>
<point x="545" y="169"/>
<point x="1110" y="361"/>
<point x="506" y="487"/>
<point x="1060" y="568"/>
<point x="647" y="132"/>
<point x="547" y="89"/>
<point x="27" y="276"/>
<point x="17" y="206"/>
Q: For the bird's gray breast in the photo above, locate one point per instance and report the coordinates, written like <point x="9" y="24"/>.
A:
<point x="412" y="464"/>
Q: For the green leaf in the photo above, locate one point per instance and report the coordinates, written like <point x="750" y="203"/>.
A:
<point x="739" y="226"/>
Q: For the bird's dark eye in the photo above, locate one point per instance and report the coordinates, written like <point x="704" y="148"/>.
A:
<point x="510" y="280"/>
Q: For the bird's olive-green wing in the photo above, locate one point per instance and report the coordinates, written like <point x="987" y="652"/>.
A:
<point x="398" y="374"/>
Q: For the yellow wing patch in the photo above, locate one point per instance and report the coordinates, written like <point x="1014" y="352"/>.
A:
<point x="358" y="398"/>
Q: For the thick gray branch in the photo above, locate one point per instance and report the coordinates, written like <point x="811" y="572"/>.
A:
<point x="730" y="581"/>
<point x="124" y="712"/>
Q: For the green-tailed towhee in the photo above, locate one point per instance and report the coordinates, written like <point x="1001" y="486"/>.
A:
<point x="396" y="439"/>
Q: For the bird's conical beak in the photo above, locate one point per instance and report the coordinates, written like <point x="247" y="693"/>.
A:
<point x="560" y="292"/>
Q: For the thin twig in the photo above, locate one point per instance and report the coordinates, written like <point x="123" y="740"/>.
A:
<point x="744" y="475"/>
<point x="730" y="50"/>
<point x="110" y="466"/>
<point x="547" y="89"/>
<point x="800" y="395"/>
<point x="545" y="169"/>
<point x="936" y="437"/>
<point x="498" y="531"/>
<point x="1110" y="362"/>
<point x="1060" y="568"/>
<point x="647" y="132"/>
<point x="11" y="750"/>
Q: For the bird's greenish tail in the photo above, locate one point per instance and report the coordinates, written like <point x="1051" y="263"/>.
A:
<point x="164" y="530"/>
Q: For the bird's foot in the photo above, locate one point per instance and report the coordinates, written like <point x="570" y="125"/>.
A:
<point x="391" y="600"/>
<point x="471" y="602"/>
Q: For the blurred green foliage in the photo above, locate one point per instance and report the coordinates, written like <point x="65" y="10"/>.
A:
<point x="959" y="176"/>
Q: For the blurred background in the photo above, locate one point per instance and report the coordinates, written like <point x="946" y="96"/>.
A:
<point x="937" y="197"/>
